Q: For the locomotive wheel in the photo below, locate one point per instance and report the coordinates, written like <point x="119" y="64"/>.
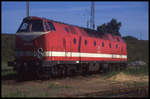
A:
<point x="105" y="68"/>
<point x="64" y="71"/>
<point x="109" y="68"/>
<point x="123" y="66"/>
<point x="119" y="67"/>
<point x="97" y="67"/>
<point x="115" y="67"/>
<point x="54" y="72"/>
<point x="44" y="73"/>
<point x="100" y="68"/>
<point x="112" y="67"/>
<point x="61" y="71"/>
<point x="91" y="68"/>
<point x="71" y="70"/>
<point x="68" y="72"/>
<point x="58" y="71"/>
<point x="39" y="74"/>
<point x="84" y="69"/>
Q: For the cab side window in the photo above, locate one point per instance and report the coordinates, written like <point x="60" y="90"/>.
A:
<point x="47" y="27"/>
<point x="85" y="42"/>
<point x="109" y="45"/>
<point x="116" y="45"/>
<point x="74" y="40"/>
<point x="67" y="30"/>
<point x="94" y="43"/>
<point x="102" y="44"/>
<point x="51" y="26"/>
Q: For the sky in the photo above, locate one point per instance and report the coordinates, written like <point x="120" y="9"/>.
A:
<point x="133" y="15"/>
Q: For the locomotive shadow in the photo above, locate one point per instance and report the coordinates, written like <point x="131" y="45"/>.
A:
<point x="16" y="77"/>
<point x="6" y="74"/>
<point x="9" y="77"/>
<point x="28" y="77"/>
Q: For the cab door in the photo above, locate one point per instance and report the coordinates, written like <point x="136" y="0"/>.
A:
<point x="79" y="48"/>
<point x="67" y="48"/>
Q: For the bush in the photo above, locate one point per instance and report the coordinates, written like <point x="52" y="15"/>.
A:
<point x="8" y="47"/>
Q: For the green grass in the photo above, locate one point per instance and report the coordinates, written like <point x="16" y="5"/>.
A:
<point x="16" y="94"/>
<point x="6" y="70"/>
<point x="57" y="86"/>
<point x="112" y="73"/>
<point x="11" y="72"/>
<point x="142" y="70"/>
<point x="136" y="84"/>
<point x="4" y="65"/>
<point x="8" y="47"/>
<point x="138" y="50"/>
<point x="141" y="84"/>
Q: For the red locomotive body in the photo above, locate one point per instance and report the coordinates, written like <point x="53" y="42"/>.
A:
<point x="46" y="43"/>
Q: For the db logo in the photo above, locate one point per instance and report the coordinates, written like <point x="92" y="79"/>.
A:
<point x="39" y="53"/>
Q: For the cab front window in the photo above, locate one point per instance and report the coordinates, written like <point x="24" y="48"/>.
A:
<point x="31" y="26"/>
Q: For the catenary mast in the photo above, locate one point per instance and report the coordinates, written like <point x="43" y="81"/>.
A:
<point x="92" y="25"/>
<point x="27" y="8"/>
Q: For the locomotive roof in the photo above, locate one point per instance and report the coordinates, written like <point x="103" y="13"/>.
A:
<point x="90" y="32"/>
<point x="34" y="17"/>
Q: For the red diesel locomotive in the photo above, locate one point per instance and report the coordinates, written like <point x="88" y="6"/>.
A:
<point x="45" y="46"/>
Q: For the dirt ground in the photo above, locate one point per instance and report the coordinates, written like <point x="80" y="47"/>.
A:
<point x="121" y="77"/>
<point x="67" y="87"/>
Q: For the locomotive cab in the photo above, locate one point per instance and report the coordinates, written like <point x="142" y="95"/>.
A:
<point x="30" y="42"/>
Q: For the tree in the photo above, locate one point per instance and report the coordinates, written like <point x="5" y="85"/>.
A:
<point x="102" y="28"/>
<point x="129" y="38"/>
<point x="112" y="27"/>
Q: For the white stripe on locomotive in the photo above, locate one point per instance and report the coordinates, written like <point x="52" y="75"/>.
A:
<point x="71" y="54"/>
